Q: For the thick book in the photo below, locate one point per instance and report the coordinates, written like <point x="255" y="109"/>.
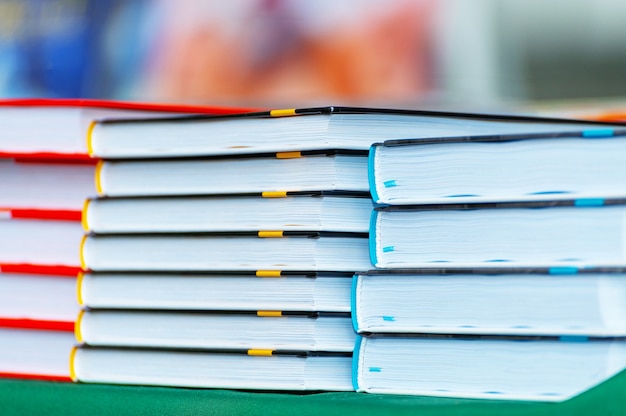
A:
<point x="34" y="353"/>
<point x="52" y="243"/>
<point x="273" y="175"/>
<point x="261" y="290"/>
<point x="498" y="369"/>
<point x="502" y="168"/>
<point x="45" y="188"/>
<point x="307" y="252"/>
<point x="57" y="128"/>
<point x="257" y="370"/>
<point x="317" y="212"/>
<point x="299" y="129"/>
<point x="585" y="304"/>
<point x="564" y="236"/>
<point x="266" y="330"/>
<point x="31" y="298"/>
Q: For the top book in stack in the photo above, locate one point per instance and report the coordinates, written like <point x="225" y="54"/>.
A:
<point x="309" y="129"/>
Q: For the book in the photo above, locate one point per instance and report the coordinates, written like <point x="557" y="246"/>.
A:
<point x="483" y="368"/>
<point x="45" y="188"/>
<point x="584" y="304"/>
<point x="40" y="242"/>
<point x="548" y="237"/>
<point x="266" y="330"/>
<point x="35" y="353"/>
<point x="298" y="130"/>
<point x="270" y="174"/>
<point x="305" y="252"/>
<point x="57" y="128"/>
<point x="263" y="290"/>
<point x="30" y="298"/>
<point x="569" y="165"/>
<point x="316" y="212"/>
<point x="178" y="368"/>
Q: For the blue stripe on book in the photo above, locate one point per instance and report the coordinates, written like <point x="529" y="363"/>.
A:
<point x="598" y="133"/>
<point x="563" y="270"/>
<point x="589" y="202"/>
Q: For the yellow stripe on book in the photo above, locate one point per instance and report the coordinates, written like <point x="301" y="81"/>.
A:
<point x="268" y="273"/>
<point x="92" y="126"/>
<point x="270" y="234"/>
<point x="78" y="334"/>
<point x="272" y="314"/>
<point x="274" y="194"/>
<point x="72" y="366"/>
<point x="283" y="113"/>
<point x="83" y="215"/>
<point x="260" y="353"/>
<point x="81" y="254"/>
<point x="97" y="177"/>
<point x="288" y="155"/>
<point x="79" y="288"/>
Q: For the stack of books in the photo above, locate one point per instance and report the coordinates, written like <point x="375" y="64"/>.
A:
<point x="500" y="266"/>
<point x="45" y="177"/>
<point x="219" y="252"/>
<point x="221" y="204"/>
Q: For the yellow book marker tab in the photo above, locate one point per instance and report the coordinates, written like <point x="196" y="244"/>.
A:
<point x="268" y="273"/>
<point x="97" y="177"/>
<point x="81" y="254"/>
<point x="260" y="353"/>
<point x="92" y="126"/>
<point x="270" y="234"/>
<point x="83" y="215"/>
<point x="274" y="194"/>
<point x="272" y="314"/>
<point x="288" y="155"/>
<point x="77" y="331"/>
<point x="72" y="367"/>
<point x="79" y="288"/>
<point x="283" y="113"/>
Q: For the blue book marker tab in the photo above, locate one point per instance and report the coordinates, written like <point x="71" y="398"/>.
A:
<point x="563" y="270"/>
<point x="589" y="202"/>
<point x="390" y="184"/>
<point x="375" y="369"/>
<point x="389" y="318"/>
<point x="388" y="249"/>
<point x="573" y="338"/>
<point x="598" y="133"/>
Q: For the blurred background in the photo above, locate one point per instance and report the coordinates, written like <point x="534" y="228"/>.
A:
<point x="480" y="54"/>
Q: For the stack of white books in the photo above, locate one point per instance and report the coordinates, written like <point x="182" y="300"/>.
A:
<point x="499" y="266"/>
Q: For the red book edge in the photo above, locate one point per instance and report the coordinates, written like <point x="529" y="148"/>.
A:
<point x="42" y="214"/>
<point x="24" y="268"/>
<point x="37" y="324"/>
<point x="40" y="377"/>
<point x="123" y="105"/>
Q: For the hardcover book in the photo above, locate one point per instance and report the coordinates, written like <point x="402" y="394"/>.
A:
<point x="505" y="303"/>
<point x="260" y="290"/>
<point x="299" y="129"/>
<point x="551" y="166"/>
<point x="524" y="237"/>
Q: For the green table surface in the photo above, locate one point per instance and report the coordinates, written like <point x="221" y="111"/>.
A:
<point x="26" y="397"/>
